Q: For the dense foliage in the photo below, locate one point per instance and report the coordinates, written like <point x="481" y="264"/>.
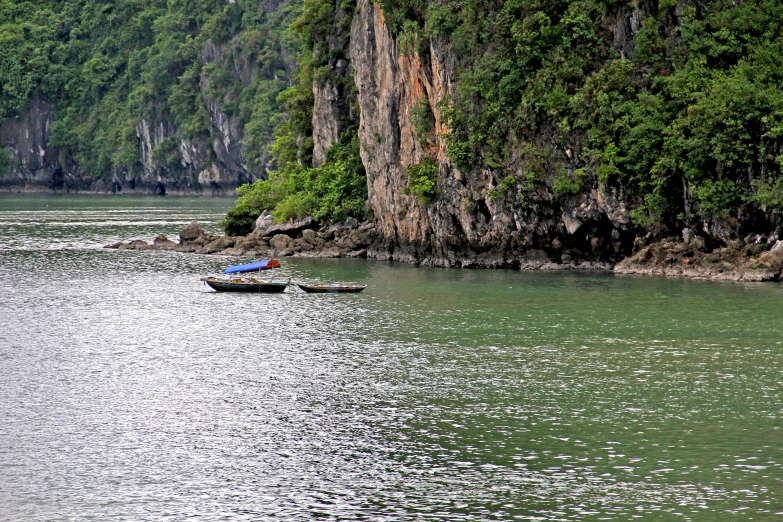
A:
<point x="334" y="191"/>
<point x="106" y="65"/>
<point x="688" y="120"/>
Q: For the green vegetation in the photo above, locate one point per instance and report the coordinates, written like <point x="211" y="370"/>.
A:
<point x="338" y="188"/>
<point x="422" y="178"/>
<point x="507" y="185"/>
<point x="423" y="120"/>
<point x="696" y="104"/>
<point x="5" y="160"/>
<point x="565" y="184"/>
<point x="769" y="197"/>
<point x="106" y="65"/>
<point x="335" y="190"/>
<point x="717" y="198"/>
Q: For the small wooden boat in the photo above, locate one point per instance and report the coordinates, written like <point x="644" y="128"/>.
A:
<point x="247" y="284"/>
<point x="244" y="284"/>
<point x="328" y="288"/>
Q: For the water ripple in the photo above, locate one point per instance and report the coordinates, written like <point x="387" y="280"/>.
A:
<point x="131" y="391"/>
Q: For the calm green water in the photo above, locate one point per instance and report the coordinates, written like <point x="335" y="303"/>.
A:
<point x="132" y="392"/>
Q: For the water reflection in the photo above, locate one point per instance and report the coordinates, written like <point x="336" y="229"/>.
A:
<point x="130" y="390"/>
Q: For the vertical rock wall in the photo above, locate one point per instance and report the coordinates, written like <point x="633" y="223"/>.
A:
<point x="32" y="163"/>
<point x="388" y="144"/>
<point x="465" y="225"/>
<point x="334" y="94"/>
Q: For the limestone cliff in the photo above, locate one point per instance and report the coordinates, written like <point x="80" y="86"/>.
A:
<point x="471" y="222"/>
<point x="32" y="163"/>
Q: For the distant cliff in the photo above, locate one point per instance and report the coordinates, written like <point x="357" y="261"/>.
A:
<point x="141" y="98"/>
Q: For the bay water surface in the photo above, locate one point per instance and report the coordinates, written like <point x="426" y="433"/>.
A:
<point x="131" y="391"/>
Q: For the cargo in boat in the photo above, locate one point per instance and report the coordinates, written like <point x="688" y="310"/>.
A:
<point x="239" y="283"/>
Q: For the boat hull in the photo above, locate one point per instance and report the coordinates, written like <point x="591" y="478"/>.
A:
<point x="257" y="288"/>
<point x="332" y="289"/>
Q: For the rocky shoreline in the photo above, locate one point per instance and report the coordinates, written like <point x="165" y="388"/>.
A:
<point x="756" y="258"/>
<point x="301" y="238"/>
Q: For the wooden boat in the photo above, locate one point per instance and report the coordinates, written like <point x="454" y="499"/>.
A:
<point x="244" y="284"/>
<point x="247" y="284"/>
<point x="328" y="288"/>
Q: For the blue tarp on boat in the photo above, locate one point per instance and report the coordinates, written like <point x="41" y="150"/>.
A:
<point x="266" y="264"/>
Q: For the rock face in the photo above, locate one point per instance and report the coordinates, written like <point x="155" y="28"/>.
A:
<point x="753" y="259"/>
<point x="33" y="165"/>
<point x="333" y="93"/>
<point x="293" y="228"/>
<point x="471" y="222"/>
<point x="264" y="220"/>
<point x="386" y="136"/>
<point x="191" y="232"/>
